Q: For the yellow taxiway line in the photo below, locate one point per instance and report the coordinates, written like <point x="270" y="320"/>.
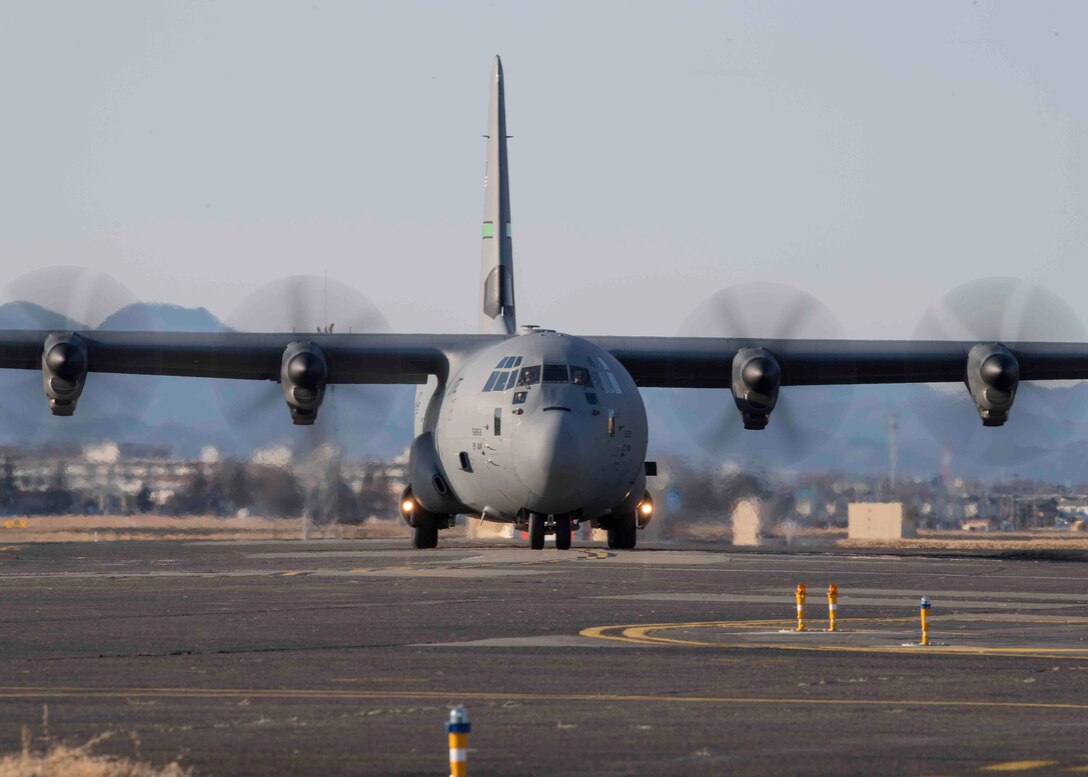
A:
<point x="36" y="693"/>
<point x="646" y="634"/>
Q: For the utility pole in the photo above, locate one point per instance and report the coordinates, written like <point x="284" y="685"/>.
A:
<point x="893" y="449"/>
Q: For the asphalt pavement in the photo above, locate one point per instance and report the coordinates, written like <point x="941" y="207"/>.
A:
<point x="338" y="658"/>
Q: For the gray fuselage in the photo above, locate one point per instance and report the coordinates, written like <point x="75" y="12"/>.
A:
<point x="543" y="422"/>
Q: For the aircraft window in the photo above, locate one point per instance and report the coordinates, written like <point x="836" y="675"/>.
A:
<point x="579" y="376"/>
<point x="556" y="373"/>
<point x="520" y="397"/>
<point x="498" y="421"/>
<point x="612" y="384"/>
<point x="529" y="376"/>
<point x="591" y="397"/>
<point x="491" y="381"/>
<point x="517" y="362"/>
<point x="511" y="379"/>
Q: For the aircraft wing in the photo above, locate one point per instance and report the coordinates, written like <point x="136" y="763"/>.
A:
<point x="349" y="358"/>
<point x="707" y="362"/>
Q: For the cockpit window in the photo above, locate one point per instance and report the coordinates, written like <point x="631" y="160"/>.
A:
<point x="501" y="380"/>
<point x="529" y="376"/>
<point x="602" y="376"/>
<point x="556" y="373"/>
<point x="579" y="376"/>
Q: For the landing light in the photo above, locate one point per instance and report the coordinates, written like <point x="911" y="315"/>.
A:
<point x="407" y="505"/>
<point x="646" y="508"/>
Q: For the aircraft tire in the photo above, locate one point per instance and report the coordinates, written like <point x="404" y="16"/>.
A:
<point x="622" y="531"/>
<point x="536" y="530"/>
<point x="562" y="532"/>
<point x="425" y="532"/>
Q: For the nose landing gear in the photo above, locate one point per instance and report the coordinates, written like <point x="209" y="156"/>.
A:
<point x="562" y="532"/>
<point x="538" y="528"/>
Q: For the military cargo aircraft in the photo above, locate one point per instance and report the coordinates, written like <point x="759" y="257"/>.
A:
<point x="535" y="427"/>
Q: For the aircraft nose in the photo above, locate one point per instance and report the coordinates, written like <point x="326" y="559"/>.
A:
<point x="553" y="458"/>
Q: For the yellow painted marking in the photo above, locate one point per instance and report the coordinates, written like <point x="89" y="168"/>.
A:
<point x="15" y="523"/>
<point x="588" y="555"/>
<point x="16" y="692"/>
<point x="1018" y="766"/>
<point x="11" y="547"/>
<point x="643" y="634"/>
<point x="1081" y="769"/>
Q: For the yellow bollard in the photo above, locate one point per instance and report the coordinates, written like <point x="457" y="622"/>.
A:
<point x="800" y="606"/>
<point x="924" y="607"/>
<point x="458" y="728"/>
<point x="832" y="606"/>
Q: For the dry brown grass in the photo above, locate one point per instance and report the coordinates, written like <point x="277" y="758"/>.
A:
<point x="56" y="759"/>
<point x="82" y="528"/>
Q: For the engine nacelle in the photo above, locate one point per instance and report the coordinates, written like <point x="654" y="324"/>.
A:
<point x="993" y="375"/>
<point x="64" y="371"/>
<point x="303" y="375"/>
<point x="756" y="378"/>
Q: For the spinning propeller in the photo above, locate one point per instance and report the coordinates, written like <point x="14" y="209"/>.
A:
<point x="793" y="427"/>
<point x="71" y="299"/>
<point x="991" y="312"/>
<point x="305" y="305"/>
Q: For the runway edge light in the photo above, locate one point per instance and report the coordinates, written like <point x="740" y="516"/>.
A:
<point x="800" y="606"/>
<point x="458" y="728"/>
<point x="924" y="609"/>
<point x="832" y="606"/>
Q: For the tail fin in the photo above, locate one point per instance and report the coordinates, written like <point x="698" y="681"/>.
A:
<point x="497" y="263"/>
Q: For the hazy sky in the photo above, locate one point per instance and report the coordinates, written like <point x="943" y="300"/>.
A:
<point x="874" y="154"/>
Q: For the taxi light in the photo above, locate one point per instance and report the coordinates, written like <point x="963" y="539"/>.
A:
<point x="646" y="508"/>
<point x="407" y="505"/>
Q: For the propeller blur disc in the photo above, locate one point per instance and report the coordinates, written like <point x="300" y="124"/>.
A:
<point x="61" y="298"/>
<point x="1044" y="416"/>
<point x="306" y="305"/>
<point x="805" y="417"/>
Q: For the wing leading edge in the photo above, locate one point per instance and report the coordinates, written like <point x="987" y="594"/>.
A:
<point x="350" y="358"/>
<point x="654" y="362"/>
<point x="698" y="362"/>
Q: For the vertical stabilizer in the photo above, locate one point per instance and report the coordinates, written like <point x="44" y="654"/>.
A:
<point x="497" y="263"/>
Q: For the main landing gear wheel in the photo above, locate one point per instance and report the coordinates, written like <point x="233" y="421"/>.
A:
<point x="536" y="530"/>
<point x="562" y="532"/>
<point x="425" y="531"/>
<point x="621" y="532"/>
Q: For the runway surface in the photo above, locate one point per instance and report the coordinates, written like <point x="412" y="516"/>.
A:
<point x="344" y="657"/>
